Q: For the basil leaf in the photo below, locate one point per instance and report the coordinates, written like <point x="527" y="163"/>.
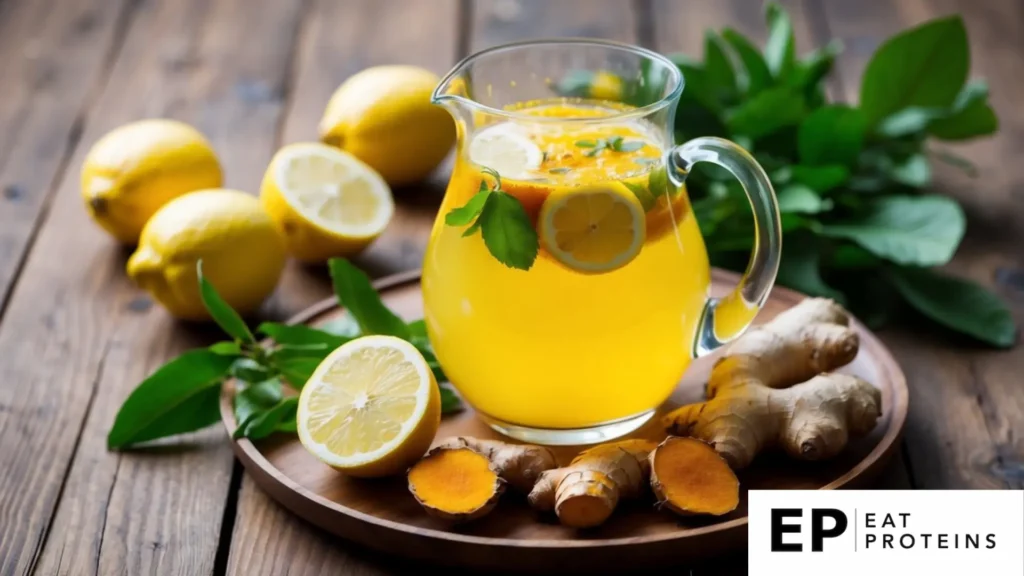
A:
<point x="267" y="422"/>
<point x="971" y="116"/>
<point x="717" y="66"/>
<point x="797" y="198"/>
<point x="780" y="49"/>
<point x="467" y="213"/>
<point x="252" y="400"/>
<point x="757" y="76"/>
<point x="508" y="233"/>
<point x="225" y="316"/>
<point x="831" y="135"/>
<point x="181" y="396"/>
<point x="925" y="66"/>
<point x="916" y="230"/>
<point x="958" y="304"/>
<point x="298" y="334"/>
<point x="767" y="112"/>
<point x="800" y="268"/>
<point x="820" y="178"/>
<point x="226" y="348"/>
<point x="357" y="295"/>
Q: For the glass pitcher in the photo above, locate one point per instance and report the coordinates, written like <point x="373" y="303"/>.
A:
<point x="566" y="283"/>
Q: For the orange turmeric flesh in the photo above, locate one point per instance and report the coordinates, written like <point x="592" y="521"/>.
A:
<point x="689" y="477"/>
<point x="457" y="485"/>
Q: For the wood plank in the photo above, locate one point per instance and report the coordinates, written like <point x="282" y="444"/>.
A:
<point x="54" y="62"/>
<point x="965" y="399"/>
<point x="502" y="21"/>
<point x="78" y="336"/>
<point x="338" y="40"/>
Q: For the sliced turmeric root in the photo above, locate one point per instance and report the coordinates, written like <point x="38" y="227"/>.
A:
<point x="689" y="477"/>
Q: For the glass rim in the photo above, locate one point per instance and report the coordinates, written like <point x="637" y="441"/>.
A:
<point x="674" y="73"/>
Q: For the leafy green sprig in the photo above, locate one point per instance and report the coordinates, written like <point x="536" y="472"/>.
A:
<point x="860" y="223"/>
<point x="184" y="394"/>
<point x="614" y="143"/>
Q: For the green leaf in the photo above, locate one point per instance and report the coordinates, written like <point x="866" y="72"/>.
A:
<point x="297" y="370"/>
<point x="852" y="257"/>
<point x="226" y="348"/>
<point x="450" y="401"/>
<point x="299" y="334"/>
<point x="717" y="66"/>
<point x="914" y="171"/>
<point x="252" y="400"/>
<point x="820" y="178"/>
<point x="958" y="304"/>
<point x="780" y="49"/>
<point x="576" y="83"/>
<point x="813" y="68"/>
<point x="345" y="326"/>
<point x="418" y="330"/>
<point x="646" y="198"/>
<point x="507" y="231"/>
<point x="757" y="76"/>
<point x="767" y="112"/>
<point x="465" y="214"/>
<point x="916" y="230"/>
<point x="287" y="352"/>
<point x="181" y="396"/>
<point x="249" y="370"/>
<point x="797" y="198"/>
<point x="908" y="121"/>
<point x="357" y="295"/>
<point x="924" y="66"/>
<point x="629" y="146"/>
<point x="269" y="421"/>
<point x="972" y="116"/>
<point x="831" y="135"/>
<point x="225" y="316"/>
<point x="800" y="268"/>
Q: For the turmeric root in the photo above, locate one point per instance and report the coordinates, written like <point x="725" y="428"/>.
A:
<point x="585" y="493"/>
<point x="770" y="390"/>
<point x="689" y="477"/>
<point x="462" y="478"/>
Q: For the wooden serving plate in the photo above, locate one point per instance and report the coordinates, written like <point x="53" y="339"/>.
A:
<point x="382" y="514"/>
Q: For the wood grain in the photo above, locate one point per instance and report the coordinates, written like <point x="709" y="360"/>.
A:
<point x="55" y="60"/>
<point x="966" y="398"/>
<point x="338" y="39"/>
<point x="77" y="336"/>
<point x="383" y="515"/>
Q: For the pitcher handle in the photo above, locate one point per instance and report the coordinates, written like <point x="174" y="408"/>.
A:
<point x="725" y="319"/>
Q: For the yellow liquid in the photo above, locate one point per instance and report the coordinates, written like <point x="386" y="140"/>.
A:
<point x="552" y="347"/>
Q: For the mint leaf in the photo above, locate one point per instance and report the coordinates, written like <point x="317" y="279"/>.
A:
<point x="832" y="135"/>
<point x="924" y="66"/>
<point x="472" y="229"/>
<point x="357" y="295"/>
<point x="252" y="400"/>
<point x="914" y="230"/>
<point x="767" y="112"/>
<point x="780" y="49"/>
<point x="908" y="121"/>
<point x="717" y="65"/>
<point x="470" y="210"/>
<point x="587" y="144"/>
<point x="797" y="198"/>
<point x="813" y="68"/>
<point x="508" y="232"/>
<point x="958" y="304"/>
<point x="757" y="76"/>
<point x="628" y="146"/>
<point x="225" y="316"/>
<point x="820" y="178"/>
<point x="971" y="116"/>
<point x="646" y="198"/>
<point x="181" y="396"/>
<point x="298" y="334"/>
<point x="800" y="268"/>
<point x="914" y="171"/>
<point x="267" y="422"/>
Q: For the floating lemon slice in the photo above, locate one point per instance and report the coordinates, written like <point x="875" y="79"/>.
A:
<point x="371" y="408"/>
<point x="324" y="201"/>
<point x="594" y="228"/>
<point x="507" y="150"/>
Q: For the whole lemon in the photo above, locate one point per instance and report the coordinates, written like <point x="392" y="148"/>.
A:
<point x="384" y="117"/>
<point x="242" y="254"/>
<point x="133" y="170"/>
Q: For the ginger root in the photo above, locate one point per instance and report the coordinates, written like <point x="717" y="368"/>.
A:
<point x="773" y="389"/>
<point x="462" y="478"/>
<point x="689" y="477"/>
<point x="585" y="493"/>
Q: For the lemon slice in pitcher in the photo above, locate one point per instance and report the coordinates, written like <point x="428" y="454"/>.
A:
<point x="507" y="150"/>
<point x="324" y="201"/>
<point x="371" y="408"/>
<point x="593" y="228"/>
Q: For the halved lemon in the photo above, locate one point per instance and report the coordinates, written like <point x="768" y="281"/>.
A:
<point x="324" y="201"/>
<point x="506" y="149"/>
<point x="371" y="408"/>
<point x="593" y="229"/>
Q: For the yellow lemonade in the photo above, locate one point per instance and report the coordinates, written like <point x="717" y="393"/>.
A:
<point x="564" y="345"/>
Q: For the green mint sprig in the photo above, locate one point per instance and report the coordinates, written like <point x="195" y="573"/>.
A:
<point x="501" y="220"/>
<point x="184" y="394"/>
<point x="614" y="143"/>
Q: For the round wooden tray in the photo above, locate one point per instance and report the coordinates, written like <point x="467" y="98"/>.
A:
<point x="382" y="514"/>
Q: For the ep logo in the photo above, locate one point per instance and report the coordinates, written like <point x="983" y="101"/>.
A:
<point x="822" y="523"/>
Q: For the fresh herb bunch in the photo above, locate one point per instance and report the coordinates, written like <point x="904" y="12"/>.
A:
<point x="859" y="225"/>
<point x="184" y="394"/>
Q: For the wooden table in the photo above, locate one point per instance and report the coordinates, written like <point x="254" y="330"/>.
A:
<point x="76" y="336"/>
